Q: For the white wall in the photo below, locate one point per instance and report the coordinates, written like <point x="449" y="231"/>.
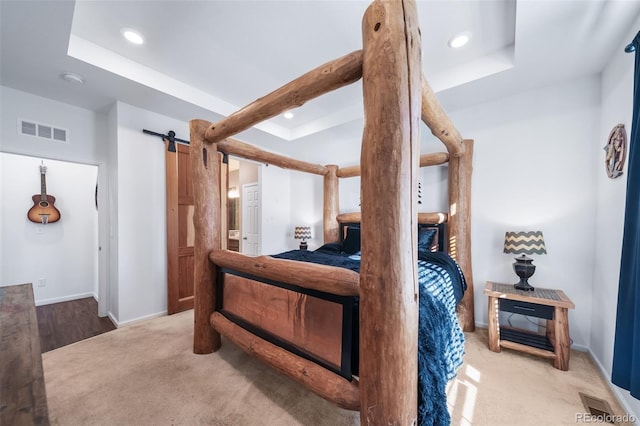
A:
<point x="306" y="208"/>
<point x="141" y="212"/>
<point x="534" y="158"/>
<point x="276" y="228"/>
<point x="617" y="107"/>
<point x="64" y="253"/>
<point x="84" y="140"/>
<point x="112" y="214"/>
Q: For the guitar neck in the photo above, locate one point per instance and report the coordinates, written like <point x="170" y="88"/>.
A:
<point x="43" y="187"/>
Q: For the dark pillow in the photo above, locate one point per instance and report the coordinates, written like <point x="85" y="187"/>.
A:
<point x="331" y="248"/>
<point x="425" y="238"/>
<point x="351" y="243"/>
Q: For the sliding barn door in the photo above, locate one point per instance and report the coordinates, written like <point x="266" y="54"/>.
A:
<point x="180" y="231"/>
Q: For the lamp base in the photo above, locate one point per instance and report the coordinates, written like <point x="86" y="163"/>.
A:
<point x="523" y="285"/>
<point x="303" y="245"/>
<point x="524" y="268"/>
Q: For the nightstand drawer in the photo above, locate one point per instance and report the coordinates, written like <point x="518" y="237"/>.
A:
<point x="526" y="308"/>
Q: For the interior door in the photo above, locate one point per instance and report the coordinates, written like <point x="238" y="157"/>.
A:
<point x="180" y="230"/>
<point x="250" y="227"/>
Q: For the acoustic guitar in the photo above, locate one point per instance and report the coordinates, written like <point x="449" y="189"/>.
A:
<point x="43" y="210"/>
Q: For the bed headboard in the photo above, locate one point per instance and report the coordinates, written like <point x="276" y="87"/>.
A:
<point x="438" y="240"/>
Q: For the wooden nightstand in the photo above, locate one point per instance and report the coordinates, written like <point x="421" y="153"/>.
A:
<point x="549" y="304"/>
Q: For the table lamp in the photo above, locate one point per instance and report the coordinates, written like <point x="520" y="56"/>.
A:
<point x="524" y="243"/>
<point x="302" y="233"/>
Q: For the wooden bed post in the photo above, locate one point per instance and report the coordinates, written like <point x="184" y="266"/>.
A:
<point x="460" y="169"/>
<point x="390" y="155"/>
<point x="331" y="205"/>
<point x="206" y="221"/>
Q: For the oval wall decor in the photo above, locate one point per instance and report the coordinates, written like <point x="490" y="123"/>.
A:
<point x="616" y="151"/>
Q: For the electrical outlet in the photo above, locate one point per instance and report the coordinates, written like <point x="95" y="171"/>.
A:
<point x="42" y="282"/>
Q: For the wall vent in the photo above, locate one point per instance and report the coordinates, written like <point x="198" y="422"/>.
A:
<point x="28" y="128"/>
<point x="42" y="131"/>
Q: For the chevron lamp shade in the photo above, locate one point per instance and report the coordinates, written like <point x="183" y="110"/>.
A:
<point x="302" y="233"/>
<point x="530" y="242"/>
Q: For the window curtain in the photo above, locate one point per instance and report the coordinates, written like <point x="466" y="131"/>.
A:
<point x="626" y="350"/>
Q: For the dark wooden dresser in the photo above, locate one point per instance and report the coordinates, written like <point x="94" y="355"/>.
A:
<point x="23" y="399"/>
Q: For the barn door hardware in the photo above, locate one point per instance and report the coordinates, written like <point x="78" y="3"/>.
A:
<point x="170" y="136"/>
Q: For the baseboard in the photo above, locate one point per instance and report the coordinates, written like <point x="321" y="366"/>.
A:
<point x="63" y="299"/>
<point x="119" y="324"/>
<point x="113" y="319"/>
<point x="615" y="389"/>
<point x="580" y="348"/>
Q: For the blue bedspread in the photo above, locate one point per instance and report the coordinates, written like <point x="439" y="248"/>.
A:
<point x="440" y="338"/>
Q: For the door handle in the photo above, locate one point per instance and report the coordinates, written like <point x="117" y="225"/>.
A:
<point x="244" y="238"/>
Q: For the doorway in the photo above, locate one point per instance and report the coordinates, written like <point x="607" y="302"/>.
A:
<point x="251" y="219"/>
<point x="244" y="230"/>
<point x="62" y="260"/>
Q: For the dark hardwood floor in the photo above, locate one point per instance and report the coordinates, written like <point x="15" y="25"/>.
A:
<point x="61" y="324"/>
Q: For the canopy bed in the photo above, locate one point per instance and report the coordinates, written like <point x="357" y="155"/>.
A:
<point x="350" y="334"/>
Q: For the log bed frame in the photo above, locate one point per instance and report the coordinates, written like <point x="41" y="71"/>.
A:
<point x="396" y="97"/>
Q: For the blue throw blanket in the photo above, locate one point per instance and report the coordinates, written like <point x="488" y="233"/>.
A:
<point x="440" y="338"/>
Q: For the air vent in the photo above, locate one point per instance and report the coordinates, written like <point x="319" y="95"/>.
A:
<point x="42" y="131"/>
<point x="60" y="135"/>
<point x="28" y="128"/>
<point x="599" y="409"/>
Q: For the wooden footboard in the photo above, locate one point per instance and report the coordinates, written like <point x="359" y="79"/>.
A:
<point x="305" y="324"/>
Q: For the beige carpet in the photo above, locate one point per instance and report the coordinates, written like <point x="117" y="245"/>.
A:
<point x="146" y="374"/>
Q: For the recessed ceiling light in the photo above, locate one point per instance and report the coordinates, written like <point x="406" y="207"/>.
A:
<point x="460" y="40"/>
<point x="72" y="78"/>
<point x="132" y="36"/>
<point x="288" y="115"/>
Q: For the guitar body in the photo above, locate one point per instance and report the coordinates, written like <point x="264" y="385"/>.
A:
<point x="43" y="210"/>
<point x="43" y="207"/>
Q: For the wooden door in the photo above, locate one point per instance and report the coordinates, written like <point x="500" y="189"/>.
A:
<point x="250" y="226"/>
<point x="180" y="231"/>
